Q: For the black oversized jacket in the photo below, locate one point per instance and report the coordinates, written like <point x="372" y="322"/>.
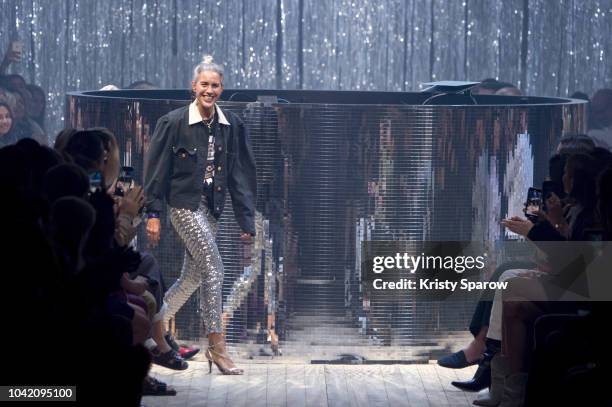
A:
<point x="176" y="160"/>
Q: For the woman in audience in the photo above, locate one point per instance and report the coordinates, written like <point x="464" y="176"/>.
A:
<point x="482" y="348"/>
<point x="529" y="291"/>
<point x="7" y="136"/>
<point x="36" y="110"/>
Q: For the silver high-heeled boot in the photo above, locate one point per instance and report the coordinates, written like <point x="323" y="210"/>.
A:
<point x="514" y="390"/>
<point x="499" y="370"/>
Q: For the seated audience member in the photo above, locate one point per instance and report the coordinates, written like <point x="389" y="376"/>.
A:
<point x="24" y="126"/>
<point x="61" y="140"/>
<point x="96" y="150"/>
<point x="580" y="95"/>
<point x="70" y="223"/>
<point x="7" y="135"/>
<point x="567" y="366"/>
<point x="604" y="204"/>
<point x="529" y="291"/>
<point x="65" y="180"/>
<point x="86" y="150"/>
<point x="111" y="162"/>
<point x="14" y="82"/>
<point x="482" y="348"/>
<point x="600" y="119"/>
<point x="141" y="85"/>
<point x="147" y="279"/>
<point x="50" y="290"/>
<point x="487" y="86"/>
<point x="508" y="90"/>
<point x="12" y="55"/>
<point x="575" y="143"/>
<point x="491" y="86"/>
<point x="36" y="109"/>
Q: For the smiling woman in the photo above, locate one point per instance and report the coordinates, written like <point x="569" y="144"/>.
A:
<point x="197" y="153"/>
<point x="6" y="125"/>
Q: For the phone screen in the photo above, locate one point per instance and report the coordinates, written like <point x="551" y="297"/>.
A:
<point x="17" y="46"/>
<point x="125" y="182"/>
<point x="95" y="181"/>
<point x="533" y="204"/>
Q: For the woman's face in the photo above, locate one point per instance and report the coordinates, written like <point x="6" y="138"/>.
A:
<point x="6" y="121"/>
<point x="207" y="88"/>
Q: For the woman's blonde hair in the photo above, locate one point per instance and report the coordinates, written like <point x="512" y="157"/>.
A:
<point x="207" y="64"/>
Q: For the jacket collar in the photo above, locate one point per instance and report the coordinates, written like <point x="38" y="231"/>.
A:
<point x="196" y="117"/>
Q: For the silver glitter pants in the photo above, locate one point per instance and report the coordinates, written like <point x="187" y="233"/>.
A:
<point x="202" y="266"/>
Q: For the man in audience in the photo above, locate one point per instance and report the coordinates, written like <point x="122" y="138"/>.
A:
<point x="600" y="120"/>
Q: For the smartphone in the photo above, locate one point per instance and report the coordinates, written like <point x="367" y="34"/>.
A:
<point x="95" y="181"/>
<point x="533" y="204"/>
<point x="125" y="182"/>
<point x="16" y="46"/>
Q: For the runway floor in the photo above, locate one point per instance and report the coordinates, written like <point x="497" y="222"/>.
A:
<point x="281" y="382"/>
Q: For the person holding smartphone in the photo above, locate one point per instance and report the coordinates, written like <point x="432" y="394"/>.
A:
<point x="13" y="55"/>
<point x="197" y="154"/>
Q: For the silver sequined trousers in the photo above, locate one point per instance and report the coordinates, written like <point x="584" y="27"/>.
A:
<point x="202" y="266"/>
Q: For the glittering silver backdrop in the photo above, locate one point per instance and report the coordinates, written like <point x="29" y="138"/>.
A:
<point x="335" y="169"/>
<point x="547" y="47"/>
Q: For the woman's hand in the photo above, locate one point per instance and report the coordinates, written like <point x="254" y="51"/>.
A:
<point x="153" y="231"/>
<point x="136" y="286"/>
<point x="554" y="210"/>
<point x="132" y="202"/>
<point x="245" y="237"/>
<point x="518" y="225"/>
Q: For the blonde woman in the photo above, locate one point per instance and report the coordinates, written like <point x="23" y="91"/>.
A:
<point x="197" y="154"/>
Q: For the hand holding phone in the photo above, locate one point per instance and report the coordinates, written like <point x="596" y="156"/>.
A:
<point x="125" y="182"/>
<point x="14" y="52"/>
<point x="554" y="209"/>
<point x="132" y="202"/>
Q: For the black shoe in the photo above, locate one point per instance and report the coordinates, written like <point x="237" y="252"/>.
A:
<point x="170" y="339"/>
<point x="481" y="379"/>
<point x="170" y="359"/>
<point x="455" y="361"/>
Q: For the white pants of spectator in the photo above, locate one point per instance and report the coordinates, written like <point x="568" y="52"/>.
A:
<point x="495" y="322"/>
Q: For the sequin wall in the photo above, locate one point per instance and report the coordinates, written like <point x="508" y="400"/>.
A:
<point x="546" y="47"/>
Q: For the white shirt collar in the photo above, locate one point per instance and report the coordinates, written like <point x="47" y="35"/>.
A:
<point x="196" y="117"/>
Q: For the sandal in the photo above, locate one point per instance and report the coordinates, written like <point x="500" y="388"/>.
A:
<point x="170" y="359"/>
<point x="213" y="357"/>
<point x="153" y="387"/>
